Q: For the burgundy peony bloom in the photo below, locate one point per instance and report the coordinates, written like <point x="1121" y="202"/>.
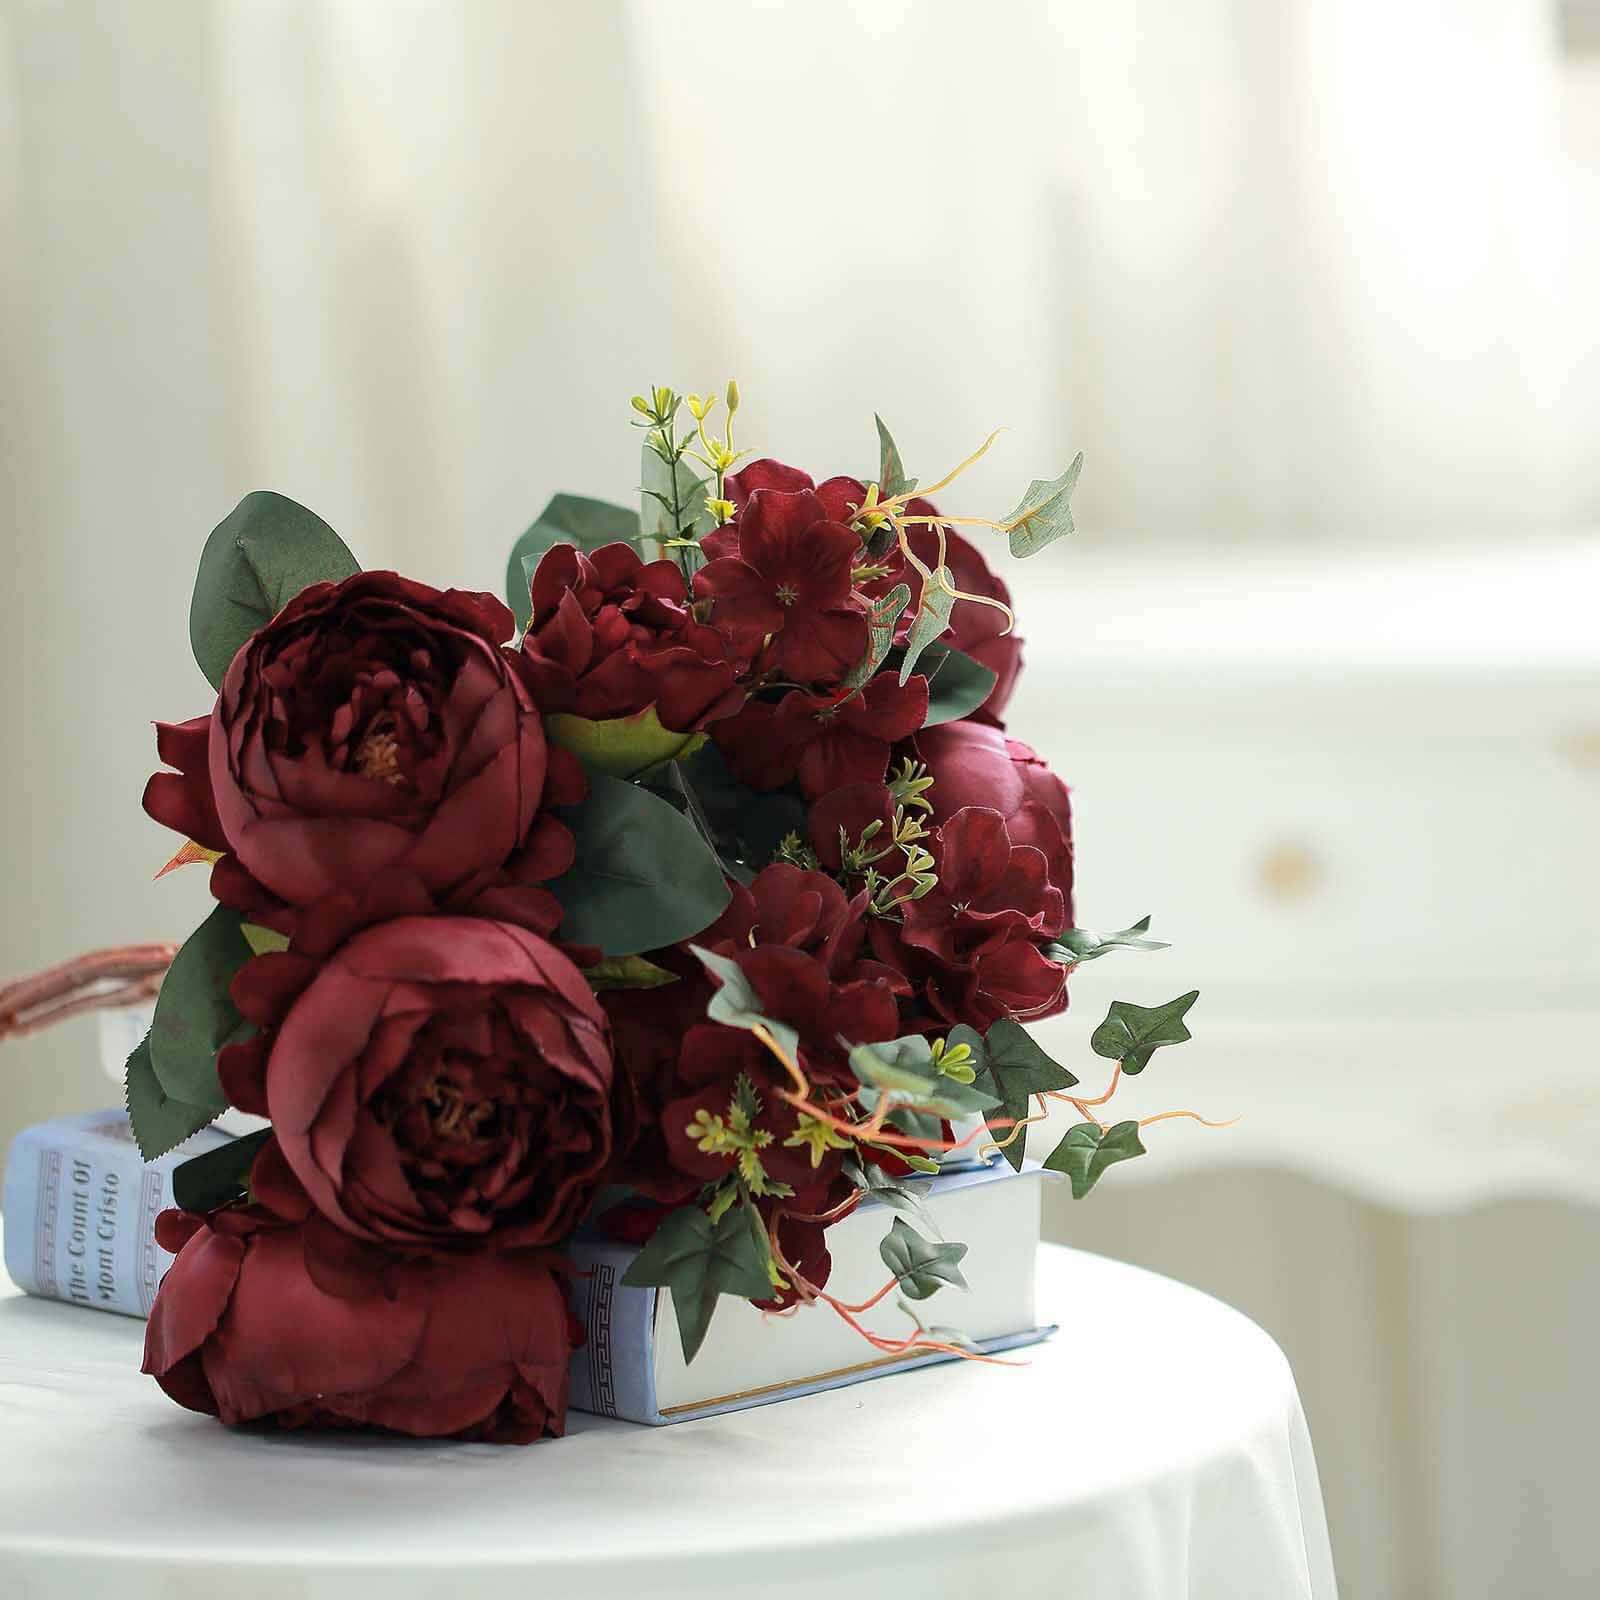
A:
<point x="373" y="742"/>
<point x="973" y="947"/>
<point x="972" y="764"/>
<point x="784" y="571"/>
<point x="437" y="1082"/>
<point x="612" y="635"/>
<point x="823" y="742"/>
<point x="474" y="1347"/>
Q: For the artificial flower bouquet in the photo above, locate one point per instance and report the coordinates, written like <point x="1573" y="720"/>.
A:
<point x="691" y="897"/>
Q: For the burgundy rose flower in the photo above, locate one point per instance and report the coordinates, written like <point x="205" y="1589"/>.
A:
<point x="972" y="764"/>
<point x="820" y="740"/>
<point x="438" y="1081"/>
<point x="373" y="739"/>
<point x="790" y="580"/>
<point x="474" y="1347"/>
<point x="612" y="635"/>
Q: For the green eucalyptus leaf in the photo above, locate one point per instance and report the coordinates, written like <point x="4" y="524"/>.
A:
<point x="258" y="558"/>
<point x="698" y="1259"/>
<point x="1132" y="1034"/>
<point x="1014" y="1068"/>
<point x="957" y="685"/>
<point x="892" y="477"/>
<point x="882" y="617"/>
<point x="627" y="972"/>
<point x="1077" y="945"/>
<point x="672" y="499"/>
<point x="745" y="827"/>
<point x="1088" y="1149"/>
<point x="159" y="1122"/>
<point x="903" y="1070"/>
<point x="932" y="618"/>
<point x="620" y="747"/>
<point x="1045" y="511"/>
<point x="194" y="1016"/>
<point x="218" y="1177"/>
<point x="921" y="1267"/>
<point x="568" y="519"/>
<point x="642" y="877"/>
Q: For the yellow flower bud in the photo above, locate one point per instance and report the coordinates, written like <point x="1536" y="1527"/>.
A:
<point x="733" y="397"/>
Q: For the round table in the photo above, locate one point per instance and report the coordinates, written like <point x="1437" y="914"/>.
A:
<point x="1155" y="1448"/>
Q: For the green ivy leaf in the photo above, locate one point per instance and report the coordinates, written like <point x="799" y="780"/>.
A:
<point x="627" y="972"/>
<point x="1089" y="1149"/>
<point x="218" y="1177"/>
<point x="159" y="1122"/>
<point x="698" y="1259"/>
<point x="568" y="519"/>
<point x="620" y="747"/>
<point x="258" y="558"/>
<point x="1014" y="1068"/>
<point x="1047" y="509"/>
<point x="903" y="1070"/>
<point x="892" y="477"/>
<point x="1085" y="944"/>
<point x="736" y="1003"/>
<point x="642" y="877"/>
<point x="933" y="617"/>
<point x="921" y="1268"/>
<point x="878" y="1185"/>
<point x="882" y="617"/>
<point x="1132" y="1034"/>
<point x="194" y="1017"/>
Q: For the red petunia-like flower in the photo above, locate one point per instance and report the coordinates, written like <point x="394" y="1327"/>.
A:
<point x="789" y="581"/>
<point x="612" y="635"/>
<point x="824" y="743"/>
<point x="438" y="1082"/>
<point x="973" y="947"/>
<point x="373" y="749"/>
<point x="244" y="1328"/>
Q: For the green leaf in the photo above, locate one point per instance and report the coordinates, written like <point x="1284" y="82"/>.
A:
<point x="621" y="747"/>
<point x="673" y="499"/>
<point x="1085" y="944"/>
<point x="627" y="972"/>
<point x="642" y="878"/>
<point x="1045" y="511"/>
<point x="159" y="1122"/>
<point x="932" y="618"/>
<point x="957" y="685"/>
<point x="1014" y="1068"/>
<point x="698" y="1259"/>
<point x="878" y="1185"/>
<point x="568" y="519"/>
<point x="903" y="1070"/>
<point x="263" y="941"/>
<point x="219" y="1176"/>
<point x="258" y="558"/>
<point x="194" y="1016"/>
<point x="746" y="827"/>
<point x="892" y="477"/>
<point x="1089" y="1149"/>
<point x="882" y="617"/>
<point x="1132" y="1034"/>
<point x="736" y="1003"/>
<point x="921" y="1268"/>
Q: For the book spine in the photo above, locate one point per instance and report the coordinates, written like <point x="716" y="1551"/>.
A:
<point x="80" y="1216"/>
<point x="613" y="1372"/>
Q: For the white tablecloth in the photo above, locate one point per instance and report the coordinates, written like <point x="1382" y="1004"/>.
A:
<point x="1154" y="1449"/>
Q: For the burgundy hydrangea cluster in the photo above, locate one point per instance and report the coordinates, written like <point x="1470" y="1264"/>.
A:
<point x="383" y="788"/>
